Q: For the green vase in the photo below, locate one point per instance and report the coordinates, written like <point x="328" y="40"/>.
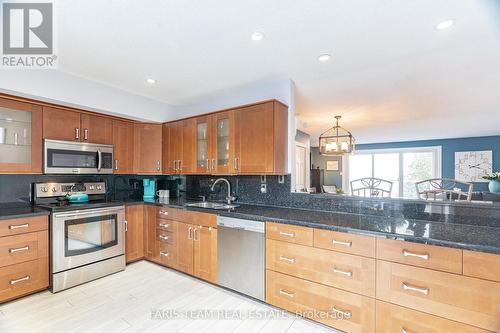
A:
<point x="494" y="186"/>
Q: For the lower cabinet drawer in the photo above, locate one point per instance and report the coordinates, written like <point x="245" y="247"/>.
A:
<point x="345" y="242"/>
<point x="166" y="225"/>
<point x="340" y="309"/>
<point x="468" y="300"/>
<point x="165" y="236"/>
<point x="289" y="233"/>
<point x="396" y="319"/>
<point x="24" y="247"/>
<point x="340" y="270"/>
<point x="167" y="254"/>
<point x="23" y="225"/>
<point x="482" y="265"/>
<point x="24" y="278"/>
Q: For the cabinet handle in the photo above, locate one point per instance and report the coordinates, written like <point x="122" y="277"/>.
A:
<point x="164" y="254"/>
<point x="287" y="234"/>
<point x="208" y="164"/>
<point x="338" y="271"/>
<point x="291" y="295"/>
<point x="213" y="164"/>
<point x="25" y="248"/>
<point x="348" y="244"/>
<point x="195" y="232"/>
<point x="26" y="278"/>
<point x="290" y="260"/>
<point x="180" y="165"/>
<point x="236" y="163"/>
<point x="411" y="254"/>
<point x="164" y="225"/>
<point x="77" y="133"/>
<point x="126" y="225"/>
<point x="424" y="291"/>
<point x="158" y="166"/>
<point x="346" y="314"/>
<point x="86" y="134"/>
<point x="12" y="227"/>
<point x="403" y="330"/>
<point x="162" y="237"/>
<point x="116" y="164"/>
<point x="189" y="233"/>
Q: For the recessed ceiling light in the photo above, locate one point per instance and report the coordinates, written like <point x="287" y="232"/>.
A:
<point x="151" y="81"/>
<point x="445" y="24"/>
<point x="324" y="57"/>
<point x="257" y="36"/>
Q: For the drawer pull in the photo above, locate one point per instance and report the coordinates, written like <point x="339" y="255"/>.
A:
<point x="403" y="330"/>
<point x="424" y="291"/>
<point x="162" y="237"/>
<point x="164" y="254"/>
<point x="26" y="278"/>
<point x="348" y="244"/>
<point x="163" y="212"/>
<point x="26" y="225"/>
<point x="164" y="225"/>
<point x="346" y="314"/>
<point x="25" y="248"/>
<point x="338" y="271"/>
<point x="411" y="254"/>
<point x="290" y="260"/>
<point x="291" y="295"/>
<point x="287" y="234"/>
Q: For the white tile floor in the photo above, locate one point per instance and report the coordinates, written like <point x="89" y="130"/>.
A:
<point x="126" y="302"/>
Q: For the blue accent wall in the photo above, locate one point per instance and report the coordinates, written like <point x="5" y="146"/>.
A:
<point x="448" y="149"/>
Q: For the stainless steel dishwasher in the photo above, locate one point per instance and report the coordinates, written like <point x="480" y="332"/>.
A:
<point x="241" y="253"/>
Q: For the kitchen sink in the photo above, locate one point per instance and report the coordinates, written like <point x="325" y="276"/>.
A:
<point x="211" y="205"/>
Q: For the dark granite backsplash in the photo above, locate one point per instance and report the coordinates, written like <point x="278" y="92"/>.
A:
<point x="247" y="190"/>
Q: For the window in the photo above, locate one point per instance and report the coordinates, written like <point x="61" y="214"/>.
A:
<point x="403" y="167"/>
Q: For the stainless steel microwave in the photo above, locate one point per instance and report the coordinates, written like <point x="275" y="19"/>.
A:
<point x="66" y="157"/>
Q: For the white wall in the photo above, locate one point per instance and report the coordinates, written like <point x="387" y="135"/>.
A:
<point x="69" y="90"/>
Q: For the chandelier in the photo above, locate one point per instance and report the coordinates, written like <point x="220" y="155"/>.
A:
<point x="336" y="141"/>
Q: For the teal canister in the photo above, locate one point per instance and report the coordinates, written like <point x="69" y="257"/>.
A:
<point x="149" y="189"/>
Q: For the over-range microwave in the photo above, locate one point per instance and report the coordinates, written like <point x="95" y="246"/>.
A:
<point x="66" y="157"/>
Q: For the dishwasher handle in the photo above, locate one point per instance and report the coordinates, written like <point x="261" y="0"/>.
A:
<point x="241" y="224"/>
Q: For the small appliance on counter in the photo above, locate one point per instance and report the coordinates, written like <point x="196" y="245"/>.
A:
<point x="149" y="189"/>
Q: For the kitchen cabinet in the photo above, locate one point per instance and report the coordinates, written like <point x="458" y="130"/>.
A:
<point x="24" y="256"/>
<point x="123" y="147"/>
<point x="134" y="235"/>
<point x="205" y="253"/>
<point x="147" y="148"/>
<point x="261" y="139"/>
<point x="66" y="125"/>
<point x="96" y="129"/>
<point x="185" y="258"/>
<point x="151" y="251"/>
<point x="180" y="150"/>
<point x="20" y="137"/>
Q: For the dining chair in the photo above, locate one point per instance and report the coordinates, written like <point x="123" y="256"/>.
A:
<point x="371" y="187"/>
<point x="444" y="189"/>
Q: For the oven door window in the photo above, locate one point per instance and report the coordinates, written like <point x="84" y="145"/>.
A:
<point x="60" y="158"/>
<point x="90" y="234"/>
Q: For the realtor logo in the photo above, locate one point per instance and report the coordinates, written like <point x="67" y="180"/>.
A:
<point x="28" y="35"/>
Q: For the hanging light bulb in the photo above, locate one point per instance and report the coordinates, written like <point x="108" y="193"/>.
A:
<point x="336" y="141"/>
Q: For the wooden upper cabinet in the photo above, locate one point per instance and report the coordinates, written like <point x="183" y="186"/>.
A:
<point x="261" y="132"/>
<point x="22" y="150"/>
<point x="123" y="147"/>
<point x="205" y="160"/>
<point x="223" y="143"/>
<point x="61" y="124"/>
<point x="96" y="129"/>
<point x="172" y="148"/>
<point x="147" y="148"/>
<point x="188" y="151"/>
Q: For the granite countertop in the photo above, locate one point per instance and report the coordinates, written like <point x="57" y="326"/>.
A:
<point x="469" y="235"/>
<point x="17" y="210"/>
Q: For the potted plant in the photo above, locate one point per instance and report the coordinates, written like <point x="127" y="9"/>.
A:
<point x="494" y="185"/>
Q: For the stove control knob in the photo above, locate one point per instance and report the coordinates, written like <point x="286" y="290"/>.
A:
<point x="43" y="189"/>
<point x="54" y="189"/>
<point x="99" y="187"/>
<point x="91" y="187"/>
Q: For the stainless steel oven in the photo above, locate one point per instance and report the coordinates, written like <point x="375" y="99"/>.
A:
<point x="86" y="244"/>
<point x="66" y="157"/>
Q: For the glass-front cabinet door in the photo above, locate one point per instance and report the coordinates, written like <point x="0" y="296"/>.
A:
<point x="204" y="159"/>
<point x="224" y="143"/>
<point x="20" y="137"/>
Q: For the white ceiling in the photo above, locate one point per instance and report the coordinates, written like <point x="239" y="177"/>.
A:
<point x="392" y="76"/>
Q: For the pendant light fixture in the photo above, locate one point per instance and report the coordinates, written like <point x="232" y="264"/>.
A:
<point x="336" y="141"/>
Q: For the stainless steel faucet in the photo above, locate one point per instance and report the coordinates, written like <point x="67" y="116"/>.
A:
<point x="229" y="197"/>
